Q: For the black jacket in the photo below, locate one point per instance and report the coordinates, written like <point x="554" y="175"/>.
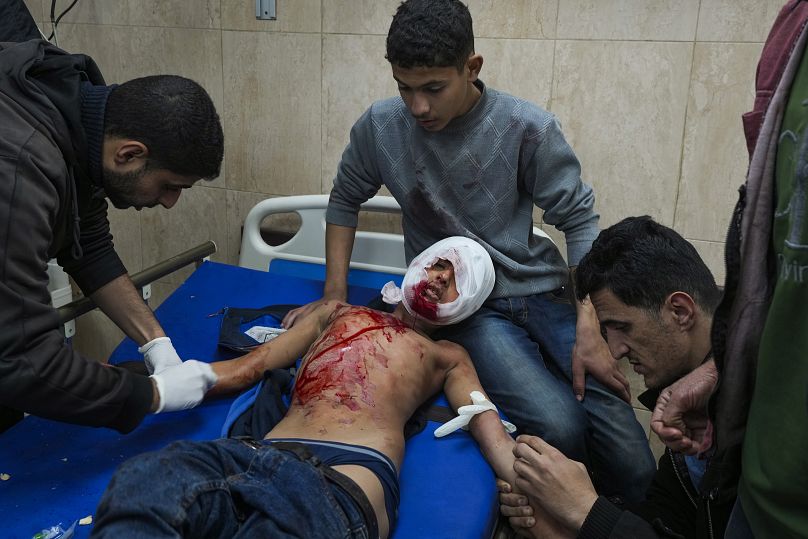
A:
<point x="672" y="507"/>
<point x="16" y="22"/>
<point x="49" y="207"/>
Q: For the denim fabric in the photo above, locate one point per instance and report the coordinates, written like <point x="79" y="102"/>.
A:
<point x="333" y="454"/>
<point x="522" y="350"/>
<point x="224" y="488"/>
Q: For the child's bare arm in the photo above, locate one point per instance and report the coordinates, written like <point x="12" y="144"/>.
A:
<point x="282" y="351"/>
<point x="495" y="443"/>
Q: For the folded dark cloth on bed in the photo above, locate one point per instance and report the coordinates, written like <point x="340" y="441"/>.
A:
<point x="268" y="408"/>
<point x="235" y="321"/>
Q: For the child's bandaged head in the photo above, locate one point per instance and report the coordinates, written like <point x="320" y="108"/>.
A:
<point x="474" y="279"/>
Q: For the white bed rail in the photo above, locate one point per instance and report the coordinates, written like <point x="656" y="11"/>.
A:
<point x="372" y="251"/>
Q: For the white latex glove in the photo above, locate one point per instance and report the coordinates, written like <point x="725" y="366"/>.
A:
<point x="183" y="386"/>
<point x="159" y="355"/>
<point x="465" y="413"/>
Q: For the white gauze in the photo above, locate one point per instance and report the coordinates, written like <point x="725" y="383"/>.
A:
<point x="474" y="278"/>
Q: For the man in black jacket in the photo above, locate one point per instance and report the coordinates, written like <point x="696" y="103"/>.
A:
<point x="67" y="142"/>
<point x="655" y="299"/>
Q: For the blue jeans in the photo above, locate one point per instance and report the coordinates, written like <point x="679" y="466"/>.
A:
<point x="224" y="488"/>
<point x="522" y="350"/>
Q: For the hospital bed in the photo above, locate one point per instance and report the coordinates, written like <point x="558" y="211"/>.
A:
<point x="55" y="472"/>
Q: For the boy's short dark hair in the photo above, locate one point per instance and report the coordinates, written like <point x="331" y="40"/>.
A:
<point x="430" y="33"/>
<point x="642" y="262"/>
<point x="176" y="120"/>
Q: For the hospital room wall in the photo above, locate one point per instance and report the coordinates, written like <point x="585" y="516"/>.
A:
<point x="649" y="94"/>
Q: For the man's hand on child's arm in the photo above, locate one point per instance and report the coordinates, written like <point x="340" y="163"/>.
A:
<point x="300" y="313"/>
<point x="560" y="486"/>
<point x="526" y="517"/>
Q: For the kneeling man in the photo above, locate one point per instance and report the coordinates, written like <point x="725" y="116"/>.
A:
<point x="655" y="299"/>
<point x="330" y="467"/>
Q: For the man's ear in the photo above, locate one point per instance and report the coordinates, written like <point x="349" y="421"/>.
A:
<point x="682" y="308"/>
<point x="127" y="152"/>
<point x="475" y="64"/>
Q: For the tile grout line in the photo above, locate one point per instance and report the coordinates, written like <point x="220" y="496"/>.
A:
<point x="684" y="123"/>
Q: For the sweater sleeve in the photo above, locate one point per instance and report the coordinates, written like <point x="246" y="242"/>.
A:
<point x="99" y="263"/>
<point x="608" y="521"/>
<point x="667" y="503"/>
<point x="39" y="373"/>
<point x="667" y="511"/>
<point x="552" y="175"/>
<point x="358" y="177"/>
<point x="601" y="520"/>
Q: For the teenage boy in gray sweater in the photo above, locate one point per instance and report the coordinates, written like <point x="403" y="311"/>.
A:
<point x="463" y="159"/>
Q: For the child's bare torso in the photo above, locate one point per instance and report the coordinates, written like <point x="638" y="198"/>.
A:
<point x="358" y="384"/>
<point x="361" y="380"/>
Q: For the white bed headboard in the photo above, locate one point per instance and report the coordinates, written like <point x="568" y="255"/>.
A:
<point x="372" y="251"/>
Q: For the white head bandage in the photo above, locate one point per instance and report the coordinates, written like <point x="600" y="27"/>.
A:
<point x="474" y="279"/>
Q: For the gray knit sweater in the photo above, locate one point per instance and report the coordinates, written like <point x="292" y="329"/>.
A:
<point x="478" y="177"/>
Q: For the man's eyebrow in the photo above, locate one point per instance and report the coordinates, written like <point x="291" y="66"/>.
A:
<point x="612" y="322"/>
<point x="429" y="83"/>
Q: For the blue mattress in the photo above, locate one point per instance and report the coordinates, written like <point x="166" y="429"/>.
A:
<point x="57" y="472"/>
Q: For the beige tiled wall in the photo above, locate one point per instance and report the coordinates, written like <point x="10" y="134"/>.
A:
<point x="649" y="93"/>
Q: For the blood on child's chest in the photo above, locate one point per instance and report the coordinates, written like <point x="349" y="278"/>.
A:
<point x="339" y="362"/>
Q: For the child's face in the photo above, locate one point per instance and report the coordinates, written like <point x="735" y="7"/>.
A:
<point x="441" y="287"/>
<point x="437" y="95"/>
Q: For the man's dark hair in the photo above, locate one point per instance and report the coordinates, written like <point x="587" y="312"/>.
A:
<point x="430" y="33"/>
<point x="642" y="262"/>
<point x="176" y="120"/>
